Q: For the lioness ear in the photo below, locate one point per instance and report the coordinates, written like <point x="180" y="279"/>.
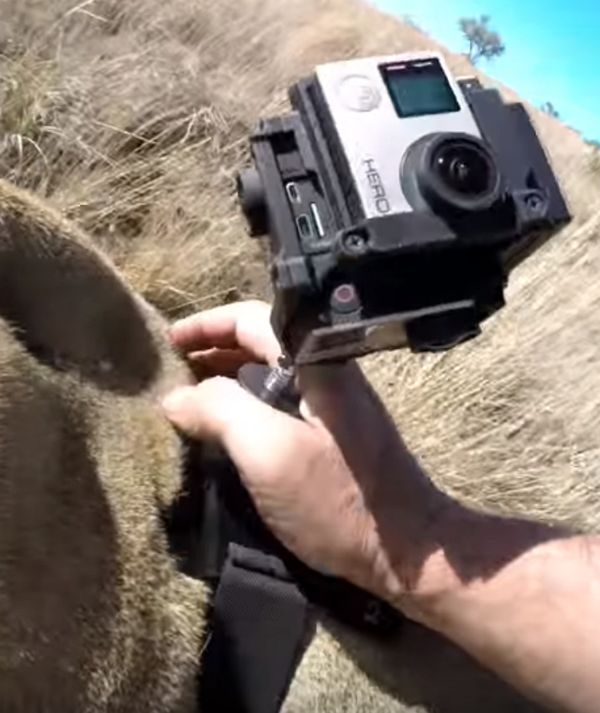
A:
<point x="65" y="302"/>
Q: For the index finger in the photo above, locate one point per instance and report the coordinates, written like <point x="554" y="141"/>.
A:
<point x="242" y="325"/>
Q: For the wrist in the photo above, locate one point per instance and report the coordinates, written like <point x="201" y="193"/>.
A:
<point x="424" y="586"/>
<point x="439" y="580"/>
<point x="412" y="566"/>
<point x="470" y="553"/>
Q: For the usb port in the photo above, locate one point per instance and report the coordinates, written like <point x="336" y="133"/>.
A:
<point x="293" y="192"/>
<point x="304" y="226"/>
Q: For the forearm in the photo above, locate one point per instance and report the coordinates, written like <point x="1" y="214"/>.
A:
<point x="522" y="599"/>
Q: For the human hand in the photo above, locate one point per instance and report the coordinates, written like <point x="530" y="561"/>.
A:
<point x="339" y="489"/>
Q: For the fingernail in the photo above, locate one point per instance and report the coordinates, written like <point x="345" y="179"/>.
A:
<point x="173" y="329"/>
<point x="173" y="401"/>
<point x="178" y="325"/>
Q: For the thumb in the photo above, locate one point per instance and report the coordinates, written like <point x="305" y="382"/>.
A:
<point x="221" y="410"/>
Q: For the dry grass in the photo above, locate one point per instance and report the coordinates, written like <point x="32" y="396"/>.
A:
<point x="133" y="117"/>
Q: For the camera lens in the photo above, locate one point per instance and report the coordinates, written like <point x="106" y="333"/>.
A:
<point x="464" y="168"/>
<point x="453" y="174"/>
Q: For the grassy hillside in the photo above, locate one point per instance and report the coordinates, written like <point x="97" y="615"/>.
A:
<point x="133" y="118"/>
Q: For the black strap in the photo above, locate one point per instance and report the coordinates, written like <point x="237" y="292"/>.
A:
<point x="260" y="622"/>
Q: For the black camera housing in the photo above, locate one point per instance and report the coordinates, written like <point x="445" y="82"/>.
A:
<point x="346" y="285"/>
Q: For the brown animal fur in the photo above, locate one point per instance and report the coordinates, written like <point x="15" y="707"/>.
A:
<point x="93" y="614"/>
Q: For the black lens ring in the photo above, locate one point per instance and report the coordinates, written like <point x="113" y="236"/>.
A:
<point x="418" y="173"/>
<point x="442" y="188"/>
<point x="458" y="161"/>
<point x="463" y="168"/>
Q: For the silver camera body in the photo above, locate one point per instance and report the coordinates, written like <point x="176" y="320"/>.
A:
<point x="375" y="131"/>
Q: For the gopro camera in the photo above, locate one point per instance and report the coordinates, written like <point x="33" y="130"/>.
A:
<point x="397" y="200"/>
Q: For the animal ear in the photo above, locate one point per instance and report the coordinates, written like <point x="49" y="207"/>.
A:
<point x="66" y="303"/>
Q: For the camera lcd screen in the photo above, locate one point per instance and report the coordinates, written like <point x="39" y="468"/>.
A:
<point x="419" y="88"/>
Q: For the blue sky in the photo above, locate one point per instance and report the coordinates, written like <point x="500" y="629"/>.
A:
<point x="552" y="48"/>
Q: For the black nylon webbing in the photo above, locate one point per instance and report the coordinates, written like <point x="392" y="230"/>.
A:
<point x="260" y="621"/>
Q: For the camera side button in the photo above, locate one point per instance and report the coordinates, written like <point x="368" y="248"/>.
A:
<point x="359" y="93"/>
